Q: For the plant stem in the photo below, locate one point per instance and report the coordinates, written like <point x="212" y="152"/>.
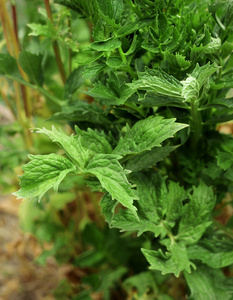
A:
<point x="134" y="8"/>
<point x="11" y="36"/>
<point x="124" y="59"/>
<point x="196" y="123"/>
<point x="70" y="50"/>
<point x="15" y="23"/>
<point x="37" y="88"/>
<point x="56" y="48"/>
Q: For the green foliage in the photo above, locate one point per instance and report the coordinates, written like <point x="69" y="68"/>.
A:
<point x="145" y="94"/>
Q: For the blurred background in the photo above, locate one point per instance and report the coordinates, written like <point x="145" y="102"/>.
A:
<point x="38" y="240"/>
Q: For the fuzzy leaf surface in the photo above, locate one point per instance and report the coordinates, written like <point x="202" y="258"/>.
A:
<point x="153" y="205"/>
<point x="95" y="141"/>
<point x="174" y="261"/>
<point x="159" y="82"/>
<point x="43" y="173"/>
<point x="71" y="145"/>
<point x="147" y="134"/>
<point x="196" y="216"/>
<point x="209" y="284"/>
<point x="113" y="178"/>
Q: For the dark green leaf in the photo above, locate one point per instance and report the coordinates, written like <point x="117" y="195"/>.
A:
<point x="209" y="284"/>
<point x="73" y="82"/>
<point x="196" y="216"/>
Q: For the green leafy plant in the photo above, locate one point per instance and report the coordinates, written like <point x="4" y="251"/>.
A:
<point x="157" y="78"/>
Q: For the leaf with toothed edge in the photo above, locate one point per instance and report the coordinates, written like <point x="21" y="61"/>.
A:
<point x="42" y="173"/>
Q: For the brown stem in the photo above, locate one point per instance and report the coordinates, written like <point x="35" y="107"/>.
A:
<point x="56" y="48"/>
<point x="13" y="46"/>
<point x="15" y="23"/>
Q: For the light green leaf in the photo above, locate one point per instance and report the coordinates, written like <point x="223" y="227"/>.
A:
<point x="113" y="178"/>
<point x="190" y="88"/>
<point x="47" y="30"/>
<point x="209" y="284"/>
<point x="196" y="80"/>
<point x="157" y="81"/>
<point x="31" y="64"/>
<point x="202" y="74"/>
<point x="214" y="46"/>
<point x="174" y="261"/>
<point x="71" y="145"/>
<point x="196" y="215"/>
<point x="43" y="173"/>
<point x="147" y="134"/>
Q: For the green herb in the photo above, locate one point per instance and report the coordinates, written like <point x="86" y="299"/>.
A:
<point x="160" y="77"/>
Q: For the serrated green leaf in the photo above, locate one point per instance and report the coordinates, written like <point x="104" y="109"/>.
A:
<point x="113" y="178"/>
<point x="144" y="281"/>
<point x="108" y="207"/>
<point x="95" y="141"/>
<point x="71" y="145"/>
<point x="82" y="111"/>
<point x="111" y="10"/>
<point x="224" y="160"/>
<point x="190" y="88"/>
<point x="153" y="205"/>
<point x="115" y="62"/>
<point x="129" y="28"/>
<point x="209" y="284"/>
<point x="196" y="215"/>
<point x="111" y="94"/>
<point x="108" y="45"/>
<point x="214" y="46"/>
<point x="147" y="134"/>
<point x="151" y="100"/>
<point x="157" y="81"/>
<point x="93" y="70"/>
<point x="202" y="74"/>
<point x="47" y="30"/>
<point x="214" y="260"/>
<point x="73" y="82"/>
<point x="31" y="64"/>
<point x="85" y="8"/>
<point x="174" y="261"/>
<point x="148" y="159"/>
<point x="43" y="173"/>
<point x="176" y="62"/>
<point x="87" y="56"/>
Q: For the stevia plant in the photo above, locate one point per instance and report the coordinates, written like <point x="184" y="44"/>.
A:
<point x="157" y="76"/>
